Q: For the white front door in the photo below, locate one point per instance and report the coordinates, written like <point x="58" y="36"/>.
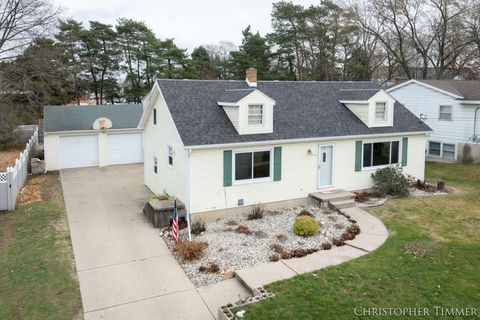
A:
<point x="78" y="151"/>
<point x="325" y="166"/>
<point x="125" y="148"/>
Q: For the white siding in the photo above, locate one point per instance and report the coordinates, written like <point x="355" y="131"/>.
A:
<point x="232" y="113"/>
<point x="381" y="96"/>
<point x="360" y="110"/>
<point x="172" y="179"/>
<point x="299" y="173"/>
<point x="50" y="144"/>
<point x="421" y="100"/>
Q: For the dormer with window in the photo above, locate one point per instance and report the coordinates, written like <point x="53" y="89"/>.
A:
<point x="374" y="107"/>
<point x="250" y="110"/>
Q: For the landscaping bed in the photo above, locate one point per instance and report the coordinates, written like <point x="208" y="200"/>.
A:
<point x="237" y="243"/>
<point x="8" y="157"/>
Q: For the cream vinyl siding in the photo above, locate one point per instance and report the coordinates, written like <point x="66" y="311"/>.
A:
<point x="172" y="179"/>
<point x="360" y="110"/>
<point x="255" y="98"/>
<point x="232" y="113"/>
<point x="299" y="173"/>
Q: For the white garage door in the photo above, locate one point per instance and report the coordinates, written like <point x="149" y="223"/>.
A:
<point x="125" y="148"/>
<point x="78" y="151"/>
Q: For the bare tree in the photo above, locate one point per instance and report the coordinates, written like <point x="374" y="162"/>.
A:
<point x="21" y="21"/>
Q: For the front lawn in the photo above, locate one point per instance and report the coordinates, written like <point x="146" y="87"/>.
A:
<point x="37" y="274"/>
<point x="431" y="258"/>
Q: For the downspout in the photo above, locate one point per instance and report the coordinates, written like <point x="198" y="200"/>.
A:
<point x="475" y="139"/>
<point x="189" y="196"/>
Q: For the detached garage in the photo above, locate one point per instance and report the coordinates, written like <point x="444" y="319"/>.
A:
<point x="90" y="136"/>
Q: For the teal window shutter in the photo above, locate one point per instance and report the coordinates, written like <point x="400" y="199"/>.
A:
<point x="358" y="155"/>
<point x="277" y="164"/>
<point x="227" y="168"/>
<point x="404" y="151"/>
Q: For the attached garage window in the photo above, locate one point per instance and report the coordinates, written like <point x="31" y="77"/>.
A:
<point x="154" y="117"/>
<point x="380" y="153"/>
<point x="434" y="148"/>
<point x="155" y="165"/>
<point x="170" y="156"/>
<point x="252" y="166"/>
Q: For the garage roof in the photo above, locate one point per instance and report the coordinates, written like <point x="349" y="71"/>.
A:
<point x="73" y="118"/>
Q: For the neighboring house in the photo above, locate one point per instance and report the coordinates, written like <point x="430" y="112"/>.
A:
<point x="449" y="108"/>
<point x="220" y="145"/>
<point x="86" y="136"/>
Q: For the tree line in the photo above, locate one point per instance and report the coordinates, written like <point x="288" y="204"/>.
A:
<point x="46" y="60"/>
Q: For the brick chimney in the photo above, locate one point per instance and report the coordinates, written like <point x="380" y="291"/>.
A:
<point x="251" y="74"/>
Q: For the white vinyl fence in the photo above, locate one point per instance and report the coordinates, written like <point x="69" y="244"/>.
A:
<point x="13" y="179"/>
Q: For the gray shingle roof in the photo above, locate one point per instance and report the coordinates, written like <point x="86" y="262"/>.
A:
<point x="235" y="95"/>
<point x="68" y="118"/>
<point x="357" y="94"/>
<point x="303" y="110"/>
<point x="469" y="90"/>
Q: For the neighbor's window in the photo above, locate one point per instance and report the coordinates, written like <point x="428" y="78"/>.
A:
<point x="154" y="117"/>
<point x="255" y="115"/>
<point x="252" y="165"/>
<point x="448" y="151"/>
<point x="445" y="113"/>
<point x="381" y="111"/>
<point x="380" y="153"/>
<point x="434" y="148"/>
<point x="155" y="165"/>
<point x="170" y="156"/>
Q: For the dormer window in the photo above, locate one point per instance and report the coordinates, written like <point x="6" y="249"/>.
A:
<point x="381" y="111"/>
<point x="255" y="115"/>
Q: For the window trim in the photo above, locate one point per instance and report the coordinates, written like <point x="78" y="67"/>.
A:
<point x="155" y="166"/>
<point x="385" y="114"/>
<point x="428" y="149"/>
<point x="170" y="155"/>
<point x="372" y="167"/>
<point x="263" y="115"/>
<point x="154" y="117"/>
<point x="440" y="112"/>
<point x="252" y="180"/>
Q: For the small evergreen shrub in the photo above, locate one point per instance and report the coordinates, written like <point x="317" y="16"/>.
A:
<point x="256" y="212"/>
<point x="391" y="181"/>
<point x="198" y="226"/>
<point x="305" y="226"/>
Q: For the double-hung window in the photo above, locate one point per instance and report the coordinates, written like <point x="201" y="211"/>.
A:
<point x="253" y="165"/>
<point x="448" y="151"/>
<point x="434" y="148"/>
<point x="380" y="153"/>
<point x="255" y="115"/>
<point x="445" y="113"/>
<point x="381" y="111"/>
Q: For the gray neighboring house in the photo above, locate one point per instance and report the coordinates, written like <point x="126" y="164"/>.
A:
<point x="452" y="109"/>
<point x="86" y="136"/>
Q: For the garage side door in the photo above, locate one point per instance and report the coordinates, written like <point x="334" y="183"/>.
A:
<point x="125" y="148"/>
<point x="78" y="151"/>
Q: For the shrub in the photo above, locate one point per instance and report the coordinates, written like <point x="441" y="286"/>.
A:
<point x="198" y="226"/>
<point x="190" y="250"/>
<point x="305" y="226"/>
<point x="256" y="212"/>
<point x="391" y="181"/>
<point x="305" y="213"/>
<point x="243" y="229"/>
<point x="362" y="196"/>
<point x="326" y="246"/>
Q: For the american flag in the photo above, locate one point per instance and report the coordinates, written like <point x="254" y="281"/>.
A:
<point x="175" y="222"/>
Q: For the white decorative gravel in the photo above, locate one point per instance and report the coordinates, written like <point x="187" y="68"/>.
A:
<point x="233" y="251"/>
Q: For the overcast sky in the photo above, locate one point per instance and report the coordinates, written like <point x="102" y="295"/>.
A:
<point x="191" y="23"/>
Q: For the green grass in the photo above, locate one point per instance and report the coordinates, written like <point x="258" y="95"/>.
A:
<point x="37" y="277"/>
<point x="431" y="258"/>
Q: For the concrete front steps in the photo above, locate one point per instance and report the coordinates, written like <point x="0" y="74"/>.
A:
<point x="338" y="198"/>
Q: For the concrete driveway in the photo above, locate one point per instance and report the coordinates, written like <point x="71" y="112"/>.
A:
<point x="124" y="268"/>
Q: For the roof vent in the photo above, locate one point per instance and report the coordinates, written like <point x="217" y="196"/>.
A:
<point x="251" y="79"/>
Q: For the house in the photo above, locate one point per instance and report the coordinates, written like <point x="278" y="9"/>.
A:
<point x="451" y="109"/>
<point x="222" y="145"/>
<point x="86" y="136"/>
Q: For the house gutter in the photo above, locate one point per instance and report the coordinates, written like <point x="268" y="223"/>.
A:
<point x="288" y="141"/>
<point x="92" y="131"/>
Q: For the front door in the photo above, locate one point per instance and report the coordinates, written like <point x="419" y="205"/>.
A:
<point x="325" y="156"/>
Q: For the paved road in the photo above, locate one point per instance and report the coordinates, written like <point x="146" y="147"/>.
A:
<point x="124" y="268"/>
